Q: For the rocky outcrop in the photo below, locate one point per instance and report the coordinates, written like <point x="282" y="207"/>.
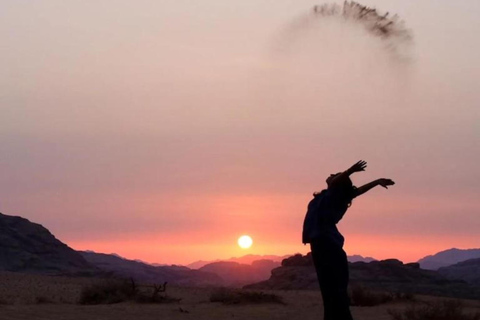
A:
<point x="298" y="273"/>
<point x="145" y="273"/>
<point x="468" y="271"/>
<point x="448" y="258"/>
<point x="29" y="247"/>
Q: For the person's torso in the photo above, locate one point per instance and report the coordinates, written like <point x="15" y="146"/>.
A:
<point x="324" y="212"/>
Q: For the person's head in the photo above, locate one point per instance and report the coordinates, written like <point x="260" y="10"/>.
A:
<point x="331" y="177"/>
<point x="343" y="189"/>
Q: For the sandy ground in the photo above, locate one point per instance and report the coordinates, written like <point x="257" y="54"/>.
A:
<point x="25" y="297"/>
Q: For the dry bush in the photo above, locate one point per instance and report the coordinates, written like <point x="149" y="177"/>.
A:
<point x="239" y="296"/>
<point x="362" y="297"/>
<point x="157" y="295"/>
<point x="403" y="296"/>
<point x="442" y="310"/>
<point x="42" y="300"/>
<point x="108" y="292"/>
<point x="119" y="291"/>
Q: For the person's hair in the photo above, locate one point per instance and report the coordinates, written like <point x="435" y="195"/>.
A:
<point x="344" y="191"/>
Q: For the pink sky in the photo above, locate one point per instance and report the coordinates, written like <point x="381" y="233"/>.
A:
<point x="163" y="131"/>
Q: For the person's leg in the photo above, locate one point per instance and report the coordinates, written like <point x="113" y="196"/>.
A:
<point x="341" y="276"/>
<point x="325" y="272"/>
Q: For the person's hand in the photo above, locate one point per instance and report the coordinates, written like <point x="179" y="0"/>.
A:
<point x="357" y="167"/>
<point x="385" y="182"/>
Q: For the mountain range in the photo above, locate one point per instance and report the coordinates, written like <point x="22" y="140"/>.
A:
<point x="250" y="258"/>
<point x="30" y="248"/>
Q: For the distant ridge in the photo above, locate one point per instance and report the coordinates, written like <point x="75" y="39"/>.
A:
<point x="250" y="258"/>
<point x="448" y="257"/>
<point x="468" y="271"/>
<point x="247" y="259"/>
<point x="359" y="258"/>
<point x="146" y="273"/>
<point x="236" y="274"/>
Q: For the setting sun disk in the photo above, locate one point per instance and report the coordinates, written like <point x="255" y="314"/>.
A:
<point x="245" y="242"/>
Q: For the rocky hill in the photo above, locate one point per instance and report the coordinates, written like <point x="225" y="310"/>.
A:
<point x="448" y="258"/>
<point x="146" y="273"/>
<point x="238" y="274"/>
<point x="251" y="258"/>
<point x="246" y="259"/>
<point x="468" y="271"/>
<point x="298" y="273"/>
<point x="29" y="247"/>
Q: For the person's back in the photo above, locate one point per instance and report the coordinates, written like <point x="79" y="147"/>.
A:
<point x="323" y="214"/>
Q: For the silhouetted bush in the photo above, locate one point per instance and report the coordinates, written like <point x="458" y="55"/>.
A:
<point x="362" y="297"/>
<point x="239" y="296"/>
<point x="108" y="292"/>
<point x="403" y="296"/>
<point x="111" y="292"/>
<point x="158" y="295"/>
<point x="443" y="310"/>
<point x="42" y="300"/>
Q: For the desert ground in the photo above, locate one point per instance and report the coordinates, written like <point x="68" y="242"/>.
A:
<point x="25" y="296"/>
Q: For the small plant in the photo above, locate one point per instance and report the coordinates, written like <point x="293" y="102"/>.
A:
<point x="362" y="297"/>
<point x="238" y="296"/>
<point x="443" y="310"/>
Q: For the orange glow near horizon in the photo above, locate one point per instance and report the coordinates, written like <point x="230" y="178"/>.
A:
<point x="371" y="228"/>
<point x="406" y="249"/>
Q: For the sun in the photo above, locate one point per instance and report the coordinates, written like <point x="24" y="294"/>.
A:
<point x="245" y="242"/>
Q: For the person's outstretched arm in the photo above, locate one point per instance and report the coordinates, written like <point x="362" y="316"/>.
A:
<point x="357" y="167"/>
<point x="379" y="182"/>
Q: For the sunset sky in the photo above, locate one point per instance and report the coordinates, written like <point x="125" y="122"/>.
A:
<point x="164" y="130"/>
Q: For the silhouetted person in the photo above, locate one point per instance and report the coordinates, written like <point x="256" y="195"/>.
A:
<point x="325" y="210"/>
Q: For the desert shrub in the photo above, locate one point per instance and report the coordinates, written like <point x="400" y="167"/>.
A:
<point x="239" y="296"/>
<point x="146" y="297"/>
<point x="157" y="295"/>
<point x="42" y="300"/>
<point x="403" y="296"/>
<point x="443" y="310"/>
<point x="363" y="297"/>
<point x="119" y="291"/>
<point x="108" y="292"/>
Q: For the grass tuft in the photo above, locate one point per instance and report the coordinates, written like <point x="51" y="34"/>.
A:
<point x="241" y="296"/>
<point x="108" y="292"/>
<point x="42" y="300"/>
<point x="362" y="297"/>
<point x="442" y="310"/>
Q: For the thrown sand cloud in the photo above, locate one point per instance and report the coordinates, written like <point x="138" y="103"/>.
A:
<point x="387" y="28"/>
